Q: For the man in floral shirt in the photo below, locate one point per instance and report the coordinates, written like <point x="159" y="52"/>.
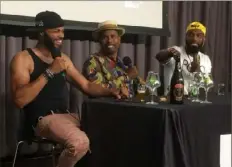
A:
<point x="107" y="72"/>
<point x="105" y="67"/>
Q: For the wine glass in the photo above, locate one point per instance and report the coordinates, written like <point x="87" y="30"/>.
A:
<point x="208" y="83"/>
<point x="192" y="91"/>
<point x="152" y="83"/>
<point x="199" y="83"/>
<point x="141" y="91"/>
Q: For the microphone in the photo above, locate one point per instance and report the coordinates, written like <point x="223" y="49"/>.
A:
<point x="196" y="57"/>
<point x="133" y="82"/>
<point x="194" y="48"/>
<point x="57" y="53"/>
<point x="127" y="61"/>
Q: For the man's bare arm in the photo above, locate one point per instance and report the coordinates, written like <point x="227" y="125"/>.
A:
<point x="23" y="91"/>
<point x="86" y="86"/>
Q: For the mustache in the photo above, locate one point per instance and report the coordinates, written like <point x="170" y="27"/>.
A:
<point x="60" y="38"/>
<point x="49" y="43"/>
<point x="193" y="47"/>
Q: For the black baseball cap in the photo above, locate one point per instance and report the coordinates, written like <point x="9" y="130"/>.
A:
<point x="47" y="20"/>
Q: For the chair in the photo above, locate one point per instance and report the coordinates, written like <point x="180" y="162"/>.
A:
<point x="26" y="135"/>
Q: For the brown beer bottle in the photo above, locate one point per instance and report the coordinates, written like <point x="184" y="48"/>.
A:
<point x="177" y="84"/>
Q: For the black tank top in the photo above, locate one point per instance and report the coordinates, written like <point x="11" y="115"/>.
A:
<point x="53" y="96"/>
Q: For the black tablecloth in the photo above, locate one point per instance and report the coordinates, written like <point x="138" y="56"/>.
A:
<point x="126" y="134"/>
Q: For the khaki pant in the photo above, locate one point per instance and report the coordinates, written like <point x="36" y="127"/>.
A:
<point x="64" y="129"/>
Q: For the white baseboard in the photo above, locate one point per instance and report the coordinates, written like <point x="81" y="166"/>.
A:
<point x="225" y="150"/>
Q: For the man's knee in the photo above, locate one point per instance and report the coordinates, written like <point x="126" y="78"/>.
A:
<point x="78" y="145"/>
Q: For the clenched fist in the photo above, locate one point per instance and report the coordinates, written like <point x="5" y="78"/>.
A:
<point x="174" y="53"/>
<point x="132" y="72"/>
<point x="58" y="65"/>
<point x="115" y="93"/>
<point x="124" y="91"/>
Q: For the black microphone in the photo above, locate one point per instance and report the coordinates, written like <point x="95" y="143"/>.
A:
<point x="196" y="57"/>
<point x="55" y="52"/>
<point x="133" y="82"/>
<point x="127" y="61"/>
<point x="194" y="48"/>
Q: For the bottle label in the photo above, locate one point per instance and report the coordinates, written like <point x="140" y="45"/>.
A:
<point x="178" y="92"/>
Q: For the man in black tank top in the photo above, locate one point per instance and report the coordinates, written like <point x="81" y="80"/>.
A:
<point x="38" y="83"/>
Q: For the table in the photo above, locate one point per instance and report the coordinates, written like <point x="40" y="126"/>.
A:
<point x="126" y="134"/>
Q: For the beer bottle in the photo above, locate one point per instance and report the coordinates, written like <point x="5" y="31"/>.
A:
<point x="177" y="84"/>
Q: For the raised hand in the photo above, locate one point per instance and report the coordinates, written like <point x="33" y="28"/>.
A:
<point x="58" y="65"/>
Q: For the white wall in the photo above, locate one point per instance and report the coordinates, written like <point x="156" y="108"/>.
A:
<point x="225" y="150"/>
<point x="130" y="13"/>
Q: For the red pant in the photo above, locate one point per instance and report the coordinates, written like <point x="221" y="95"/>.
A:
<point x="64" y="129"/>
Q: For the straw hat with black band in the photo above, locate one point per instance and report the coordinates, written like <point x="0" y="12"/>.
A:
<point x="107" y="25"/>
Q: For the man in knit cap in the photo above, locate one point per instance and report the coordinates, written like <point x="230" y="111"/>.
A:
<point x="191" y="57"/>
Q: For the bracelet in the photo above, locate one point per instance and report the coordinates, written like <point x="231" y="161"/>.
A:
<point x="45" y="76"/>
<point x="48" y="74"/>
<point x="51" y="74"/>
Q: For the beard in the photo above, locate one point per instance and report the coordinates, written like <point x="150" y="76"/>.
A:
<point x="193" y="48"/>
<point x="55" y="52"/>
<point x="109" y="50"/>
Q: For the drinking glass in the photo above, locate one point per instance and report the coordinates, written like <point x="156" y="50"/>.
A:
<point x="192" y="91"/>
<point x="141" y="91"/>
<point x="199" y="83"/>
<point x="221" y="89"/>
<point x="152" y="83"/>
<point x="208" y="83"/>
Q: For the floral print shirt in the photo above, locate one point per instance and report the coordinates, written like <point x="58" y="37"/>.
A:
<point x="105" y="71"/>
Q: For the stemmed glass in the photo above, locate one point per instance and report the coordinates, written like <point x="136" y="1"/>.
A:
<point x="208" y="83"/>
<point x="192" y="91"/>
<point x="152" y="83"/>
<point x="199" y="80"/>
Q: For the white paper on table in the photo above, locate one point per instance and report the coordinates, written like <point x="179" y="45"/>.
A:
<point x="225" y="150"/>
